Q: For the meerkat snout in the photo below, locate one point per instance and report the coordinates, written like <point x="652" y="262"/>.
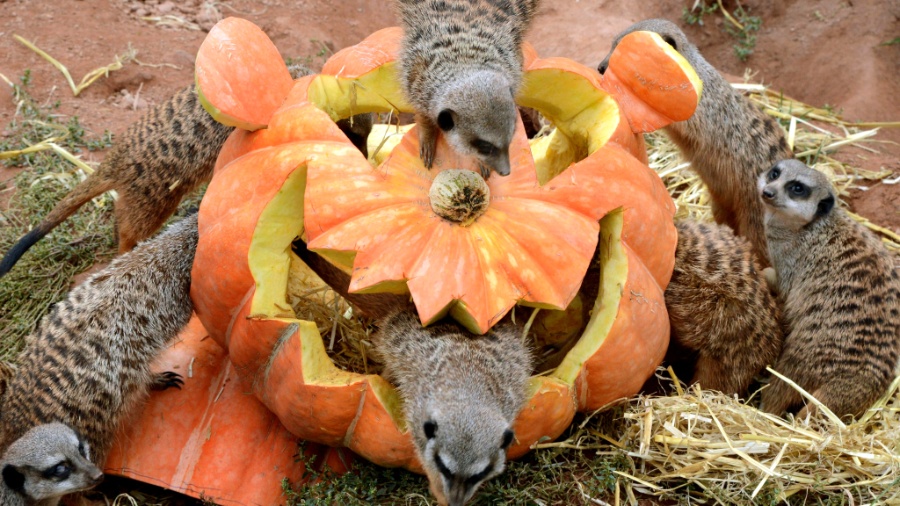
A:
<point x="462" y="452"/>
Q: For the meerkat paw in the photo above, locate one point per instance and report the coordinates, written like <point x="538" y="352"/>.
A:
<point x="427" y="139"/>
<point x="426" y="152"/>
<point x="485" y="170"/>
<point x="166" y="380"/>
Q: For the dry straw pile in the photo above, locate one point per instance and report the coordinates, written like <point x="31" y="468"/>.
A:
<point x="707" y="447"/>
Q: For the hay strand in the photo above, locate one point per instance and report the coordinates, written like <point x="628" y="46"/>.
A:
<point x="88" y="78"/>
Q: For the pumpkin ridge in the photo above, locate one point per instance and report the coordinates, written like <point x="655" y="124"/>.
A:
<point x="534" y="264"/>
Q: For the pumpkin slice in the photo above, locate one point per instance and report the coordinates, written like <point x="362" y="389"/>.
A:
<point x="651" y="81"/>
<point x="241" y="78"/>
<point x="531" y="248"/>
<point x="180" y="438"/>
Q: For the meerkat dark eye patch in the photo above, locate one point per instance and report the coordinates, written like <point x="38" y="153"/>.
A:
<point x="507" y="439"/>
<point x="445" y="120"/>
<point x="773" y="174"/>
<point x="484" y="148"/>
<point x="825" y="206"/>
<point x="430" y="429"/>
<point x="480" y="476"/>
<point x="670" y="41"/>
<point x="60" y="471"/>
<point x="442" y="467"/>
<point x="798" y="189"/>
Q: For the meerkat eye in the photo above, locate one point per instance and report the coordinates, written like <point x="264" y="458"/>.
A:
<point x="82" y="449"/>
<point x="60" y="471"/>
<point x="430" y="428"/>
<point x="774" y="173"/>
<point x="484" y="148"/>
<point x="798" y="189"/>
<point x="507" y="439"/>
<point x="670" y="41"/>
<point x="445" y="120"/>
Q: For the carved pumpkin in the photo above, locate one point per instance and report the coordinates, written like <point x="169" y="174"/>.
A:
<point x="590" y="174"/>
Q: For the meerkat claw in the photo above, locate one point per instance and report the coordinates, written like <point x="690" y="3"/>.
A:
<point x="167" y="380"/>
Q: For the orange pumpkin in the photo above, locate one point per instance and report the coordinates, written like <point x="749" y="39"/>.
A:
<point x="301" y="168"/>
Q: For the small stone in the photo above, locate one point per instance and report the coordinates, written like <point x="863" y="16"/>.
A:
<point x="165" y="8"/>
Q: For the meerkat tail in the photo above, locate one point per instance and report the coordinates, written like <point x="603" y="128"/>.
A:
<point x="80" y="195"/>
<point x="374" y="305"/>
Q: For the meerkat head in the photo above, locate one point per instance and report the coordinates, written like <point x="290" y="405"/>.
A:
<point x="461" y="447"/>
<point x="48" y="462"/>
<point x="666" y="29"/>
<point x="477" y="114"/>
<point x="795" y="195"/>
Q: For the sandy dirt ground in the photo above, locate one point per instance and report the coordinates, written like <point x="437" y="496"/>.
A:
<point x="822" y="52"/>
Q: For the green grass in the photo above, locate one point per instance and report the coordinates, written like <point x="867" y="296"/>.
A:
<point x="745" y="35"/>
<point x="43" y="275"/>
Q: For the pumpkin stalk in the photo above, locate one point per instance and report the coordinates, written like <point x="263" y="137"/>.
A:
<point x="459" y="195"/>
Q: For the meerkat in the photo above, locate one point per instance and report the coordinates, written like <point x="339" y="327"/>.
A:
<point x="840" y="294"/>
<point x="720" y="309"/>
<point x="46" y="463"/>
<point x="461" y="67"/>
<point x="461" y="392"/>
<point x="728" y="141"/>
<point x="167" y="154"/>
<point x="87" y="364"/>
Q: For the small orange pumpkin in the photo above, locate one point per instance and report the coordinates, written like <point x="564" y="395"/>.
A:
<point x="301" y="167"/>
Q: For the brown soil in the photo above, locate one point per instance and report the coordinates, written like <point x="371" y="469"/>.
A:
<point x="818" y="51"/>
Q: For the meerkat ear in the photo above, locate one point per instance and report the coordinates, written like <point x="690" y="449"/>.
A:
<point x="508" y="436"/>
<point x="13" y="478"/>
<point x="445" y="120"/>
<point x="430" y="428"/>
<point x="825" y="206"/>
<point x="670" y="41"/>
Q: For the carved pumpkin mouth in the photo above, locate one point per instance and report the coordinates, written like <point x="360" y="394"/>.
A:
<point x="300" y="176"/>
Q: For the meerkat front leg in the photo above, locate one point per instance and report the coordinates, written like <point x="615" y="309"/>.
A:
<point x="428" y="132"/>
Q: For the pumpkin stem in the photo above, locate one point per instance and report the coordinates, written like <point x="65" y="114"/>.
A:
<point x="459" y="195"/>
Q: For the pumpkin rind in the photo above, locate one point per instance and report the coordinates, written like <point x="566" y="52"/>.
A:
<point x="244" y="308"/>
<point x="652" y="82"/>
<point x="241" y="77"/>
<point x="188" y="454"/>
